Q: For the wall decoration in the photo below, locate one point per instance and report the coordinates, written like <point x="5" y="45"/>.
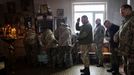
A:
<point x="44" y="8"/>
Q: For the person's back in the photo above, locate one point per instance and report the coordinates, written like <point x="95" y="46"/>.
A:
<point x="63" y="34"/>
<point x="31" y="45"/>
<point x="114" y="28"/>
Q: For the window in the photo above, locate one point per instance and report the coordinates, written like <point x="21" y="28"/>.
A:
<point x="92" y="10"/>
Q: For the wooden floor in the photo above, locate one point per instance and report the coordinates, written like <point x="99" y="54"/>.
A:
<point x="43" y="70"/>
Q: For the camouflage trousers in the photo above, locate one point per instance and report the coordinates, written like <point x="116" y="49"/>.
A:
<point x="60" y="56"/>
<point x="85" y="54"/>
<point x="99" y="55"/>
<point x="31" y="53"/>
<point x="130" y="64"/>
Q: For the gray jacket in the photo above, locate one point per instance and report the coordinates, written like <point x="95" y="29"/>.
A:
<point x="99" y="34"/>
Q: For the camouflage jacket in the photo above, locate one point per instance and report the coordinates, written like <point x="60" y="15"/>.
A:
<point x="63" y="35"/>
<point x="126" y="35"/>
<point x="99" y="34"/>
<point x="48" y="39"/>
<point x="30" y="37"/>
<point x="85" y="35"/>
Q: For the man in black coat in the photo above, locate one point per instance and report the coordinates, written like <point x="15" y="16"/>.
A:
<point x="110" y="32"/>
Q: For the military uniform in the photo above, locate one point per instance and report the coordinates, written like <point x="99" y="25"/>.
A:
<point x="64" y="55"/>
<point x="50" y="43"/>
<point x="31" y="45"/>
<point x="85" y="40"/>
<point x="98" y="40"/>
<point x="126" y="42"/>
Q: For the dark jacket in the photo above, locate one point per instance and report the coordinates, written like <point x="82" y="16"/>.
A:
<point x="110" y="33"/>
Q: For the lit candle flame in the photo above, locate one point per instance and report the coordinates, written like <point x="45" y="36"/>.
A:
<point x="9" y="32"/>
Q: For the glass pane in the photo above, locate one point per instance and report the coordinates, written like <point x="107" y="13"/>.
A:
<point x="89" y="8"/>
<point x="77" y="15"/>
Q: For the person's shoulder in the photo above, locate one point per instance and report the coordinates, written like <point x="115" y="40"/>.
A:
<point x="88" y="25"/>
<point x="102" y="27"/>
<point x="114" y="25"/>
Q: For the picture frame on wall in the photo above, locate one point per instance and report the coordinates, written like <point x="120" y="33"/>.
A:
<point x="60" y="12"/>
<point x="58" y="21"/>
<point x="44" y="8"/>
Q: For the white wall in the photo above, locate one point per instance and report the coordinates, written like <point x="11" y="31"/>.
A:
<point x="62" y="4"/>
<point x="112" y="10"/>
<point x="67" y="6"/>
<point x="132" y="3"/>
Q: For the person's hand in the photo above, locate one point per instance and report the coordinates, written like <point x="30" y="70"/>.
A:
<point x="78" y="20"/>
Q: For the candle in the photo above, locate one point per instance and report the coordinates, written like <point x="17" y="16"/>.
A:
<point x="13" y="33"/>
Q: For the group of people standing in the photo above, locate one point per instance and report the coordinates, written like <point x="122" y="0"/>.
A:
<point x="53" y="48"/>
<point x="121" y="40"/>
<point x="87" y="38"/>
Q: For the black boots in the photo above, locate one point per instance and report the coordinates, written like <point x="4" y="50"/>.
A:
<point x="85" y="71"/>
<point x="99" y="65"/>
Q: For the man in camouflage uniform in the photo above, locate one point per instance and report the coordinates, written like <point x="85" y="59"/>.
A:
<point x="48" y="39"/>
<point x="31" y="45"/>
<point x="85" y="40"/>
<point x="49" y="42"/>
<point x="98" y="40"/>
<point x="63" y="34"/>
<point x="126" y="38"/>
